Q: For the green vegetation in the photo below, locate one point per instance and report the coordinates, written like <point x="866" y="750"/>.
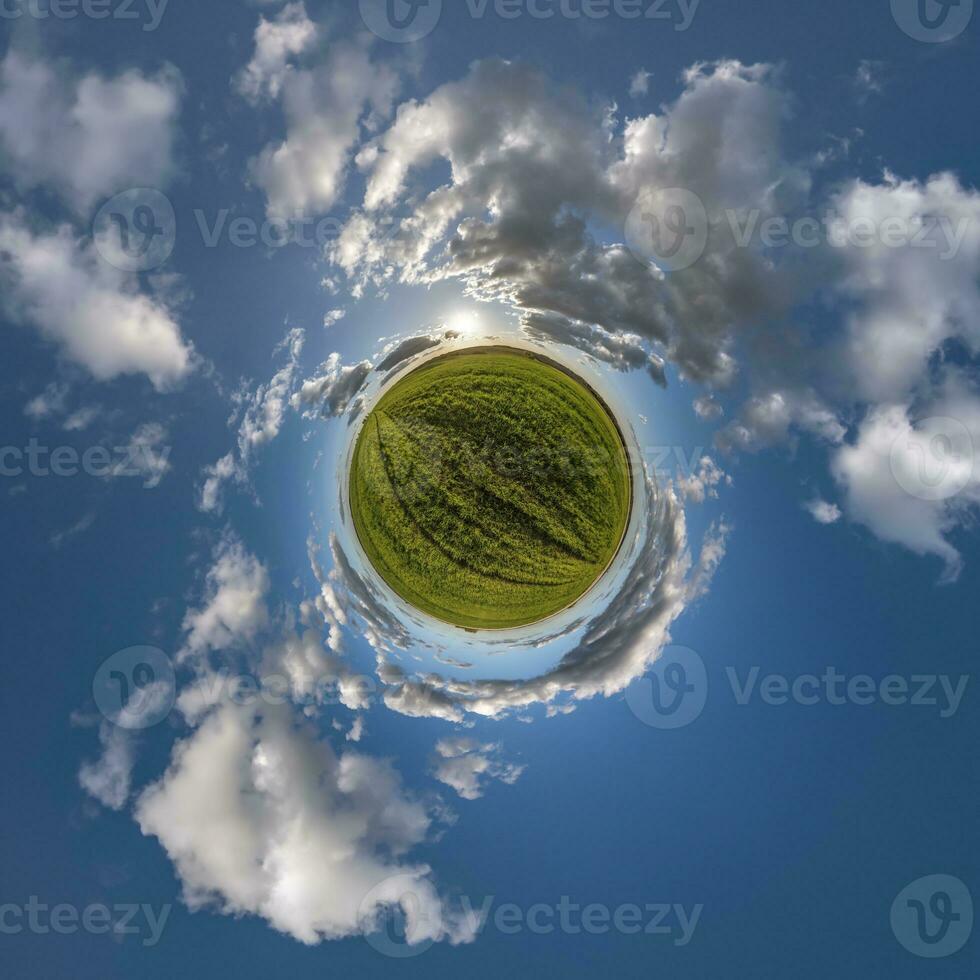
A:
<point x="490" y="489"/>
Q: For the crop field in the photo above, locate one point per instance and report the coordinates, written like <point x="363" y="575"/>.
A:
<point x="490" y="490"/>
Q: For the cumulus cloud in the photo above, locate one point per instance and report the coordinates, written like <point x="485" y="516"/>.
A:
<point x="49" y="402"/>
<point x="261" y="817"/>
<point x="89" y="136"/>
<point x="906" y="303"/>
<point x="707" y="407"/>
<point x="640" y="83"/>
<point x="210" y="498"/>
<point x="702" y="484"/>
<point x="289" y="34"/>
<point x="530" y="165"/>
<point x="356" y="732"/>
<point x="96" y="314"/>
<point x="333" y="388"/>
<point x="325" y="108"/>
<point x="267" y="406"/>
<point x="398" y="352"/>
<point x="108" y="779"/>
<point x="624" y="352"/>
<point x="263" y="411"/>
<point x="771" y="419"/>
<point x="913" y="483"/>
<point x="467" y="766"/>
<point x="233" y="609"/>
<point x="822" y="511"/>
<point x="314" y="675"/>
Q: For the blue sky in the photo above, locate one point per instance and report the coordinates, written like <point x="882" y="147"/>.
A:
<point x="802" y="570"/>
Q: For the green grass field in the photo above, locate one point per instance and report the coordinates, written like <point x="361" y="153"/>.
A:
<point x="490" y="490"/>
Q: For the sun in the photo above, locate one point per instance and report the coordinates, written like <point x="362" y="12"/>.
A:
<point x="465" y="322"/>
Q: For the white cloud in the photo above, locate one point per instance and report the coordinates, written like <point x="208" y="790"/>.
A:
<point x="771" y="419"/>
<point x="79" y="527"/>
<point x="234" y="609"/>
<point x="261" y="817"/>
<point x="267" y="407"/>
<point x="703" y="483"/>
<point x="87" y="137"/>
<point x="334" y="387"/>
<point x="530" y="164"/>
<point x="313" y="675"/>
<point x="215" y="476"/>
<point x="868" y="78"/>
<point x="93" y="312"/>
<point x="912" y="484"/>
<point x="276" y="42"/>
<point x="50" y="402"/>
<point x="908" y="301"/>
<point x="82" y="418"/>
<point x="822" y="511"/>
<point x="325" y="108"/>
<point x="467" y="766"/>
<point x="707" y="407"/>
<point x="145" y="455"/>
<point x="108" y="779"/>
<point x="263" y="414"/>
<point x="640" y="83"/>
